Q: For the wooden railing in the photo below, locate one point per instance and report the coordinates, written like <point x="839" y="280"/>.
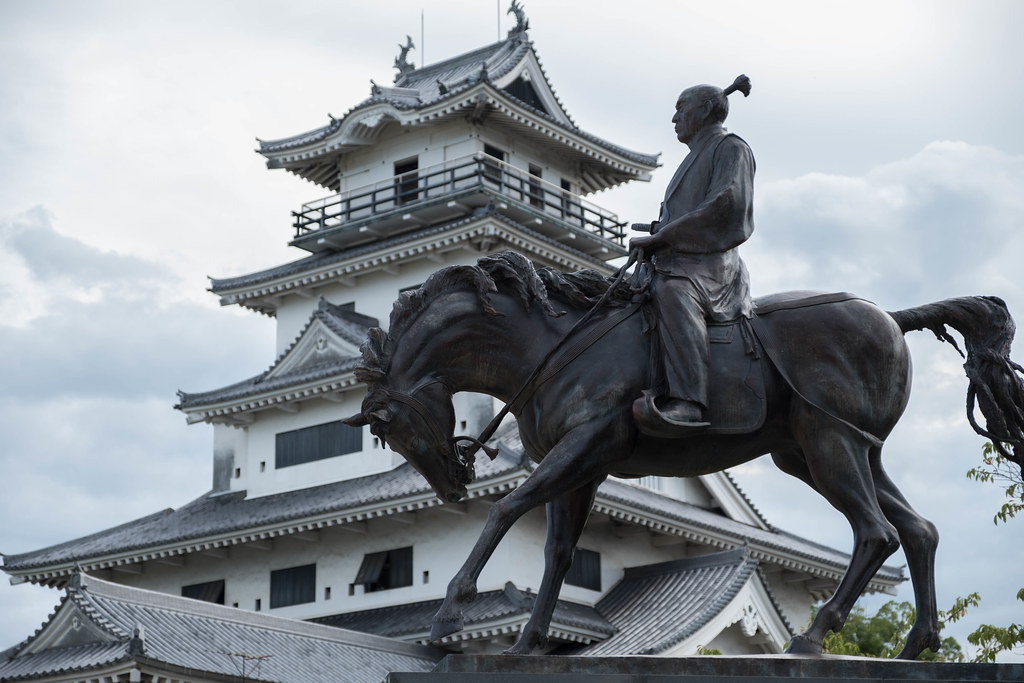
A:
<point x="406" y="192"/>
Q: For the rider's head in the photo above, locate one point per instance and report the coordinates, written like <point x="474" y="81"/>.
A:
<point x="704" y="105"/>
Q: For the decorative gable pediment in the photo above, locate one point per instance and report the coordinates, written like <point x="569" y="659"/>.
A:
<point x="317" y="344"/>
<point x="69" y="627"/>
<point x="528" y="83"/>
<point x="727" y="494"/>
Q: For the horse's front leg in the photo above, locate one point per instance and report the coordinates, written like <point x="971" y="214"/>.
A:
<point x="567" y="515"/>
<point x="563" y="469"/>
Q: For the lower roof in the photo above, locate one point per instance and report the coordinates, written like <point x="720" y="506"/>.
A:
<point x="655" y="607"/>
<point x="224" y="519"/>
<point x="412" y="620"/>
<point x="101" y="625"/>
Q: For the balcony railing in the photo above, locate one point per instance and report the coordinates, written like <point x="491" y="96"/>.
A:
<point x="468" y="182"/>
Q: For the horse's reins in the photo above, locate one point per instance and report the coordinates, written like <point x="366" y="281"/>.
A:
<point x="543" y="372"/>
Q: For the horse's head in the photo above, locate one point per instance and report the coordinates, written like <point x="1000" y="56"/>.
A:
<point x="419" y="425"/>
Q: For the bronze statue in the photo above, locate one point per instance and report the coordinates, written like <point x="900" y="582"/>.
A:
<point x="825" y="421"/>
<point x="698" y="275"/>
<point x="818" y="381"/>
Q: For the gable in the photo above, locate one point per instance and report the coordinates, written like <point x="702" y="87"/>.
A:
<point x="316" y="345"/>
<point x="724" y="490"/>
<point x="70" y="626"/>
<point x="528" y="83"/>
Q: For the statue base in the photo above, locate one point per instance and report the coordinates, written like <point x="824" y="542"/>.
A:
<point x="705" y="669"/>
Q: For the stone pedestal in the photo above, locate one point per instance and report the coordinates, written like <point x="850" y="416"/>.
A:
<point x="708" y="669"/>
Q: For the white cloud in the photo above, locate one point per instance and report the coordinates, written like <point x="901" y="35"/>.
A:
<point x="945" y="222"/>
<point x="133" y="124"/>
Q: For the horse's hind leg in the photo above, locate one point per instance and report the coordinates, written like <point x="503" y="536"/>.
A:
<point x="920" y="539"/>
<point x="567" y="515"/>
<point x="837" y="460"/>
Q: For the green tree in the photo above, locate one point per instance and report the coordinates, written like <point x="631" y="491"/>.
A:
<point x="882" y="635"/>
<point x="991" y="640"/>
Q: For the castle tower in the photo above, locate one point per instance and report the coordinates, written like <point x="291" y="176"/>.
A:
<point x="311" y="519"/>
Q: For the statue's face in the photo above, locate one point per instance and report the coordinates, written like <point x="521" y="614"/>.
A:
<point x="691" y="112"/>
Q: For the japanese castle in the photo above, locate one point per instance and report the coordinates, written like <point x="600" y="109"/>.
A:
<point x="318" y="554"/>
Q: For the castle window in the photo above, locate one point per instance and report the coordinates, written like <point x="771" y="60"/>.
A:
<point x="585" y="571"/>
<point x="492" y="171"/>
<point x="535" y="188"/>
<point x="211" y="591"/>
<point x="407" y="180"/>
<point x="386" y="570"/>
<point x="316" y="443"/>
<point x="293" y="586"/>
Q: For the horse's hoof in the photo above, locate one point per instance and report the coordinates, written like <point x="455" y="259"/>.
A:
<point x="802" y="645"/>
<point x="440" y="629"/>
<point x="914" y="646"/>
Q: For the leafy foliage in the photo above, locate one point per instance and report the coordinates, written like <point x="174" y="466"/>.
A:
<point x="1002" y="472"/>
<point x="882" y="635"/>
<point x="991" y="640"/>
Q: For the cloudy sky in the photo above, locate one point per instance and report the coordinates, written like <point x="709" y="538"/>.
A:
<point x="890" y="163"/>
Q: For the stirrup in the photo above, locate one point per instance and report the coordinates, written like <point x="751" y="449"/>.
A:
<point x="653" y="422"/>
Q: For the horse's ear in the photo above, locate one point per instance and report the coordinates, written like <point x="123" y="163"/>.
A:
<point x="381" y="414"/>
<point x="357" y="420"/>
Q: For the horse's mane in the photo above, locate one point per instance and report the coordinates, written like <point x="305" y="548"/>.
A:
<point x="507" y="272"/>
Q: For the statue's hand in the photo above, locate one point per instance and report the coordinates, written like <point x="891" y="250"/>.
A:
<point x="646" y="242"/>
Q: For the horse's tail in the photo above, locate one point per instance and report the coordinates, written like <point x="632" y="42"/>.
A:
<point x="987" y="329"/>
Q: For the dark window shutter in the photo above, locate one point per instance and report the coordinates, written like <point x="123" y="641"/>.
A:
<point x="585" y="570"/>
<point x="400" y="568"/>
<point x="371" y="568"/>
<point x="386" y="570"/>
<point x="211" y="591"/>
<point x="293" y="586"/>
<point x="316" y="443"/>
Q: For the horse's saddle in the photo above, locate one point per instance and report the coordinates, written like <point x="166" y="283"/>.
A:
<point x="740" y="353"/>
<point x="736" y="387"/>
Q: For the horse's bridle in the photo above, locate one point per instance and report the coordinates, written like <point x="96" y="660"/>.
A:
<point x="458" y="455"/>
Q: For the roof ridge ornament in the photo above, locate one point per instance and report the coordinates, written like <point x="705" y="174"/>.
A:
<point x="522" y="23"/>
<point x="401" y="62"/>
<point x="137" y="645"/>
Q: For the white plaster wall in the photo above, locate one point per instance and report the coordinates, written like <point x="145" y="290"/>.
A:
<point x="689" y="490"/>
<point x="262" y="478"/>
<point x="441" y="541"/>
<point x="373" y="293"/>
<point x="733" y="642"/>
<point x="794" y="600"/>
<point x="230" y="447"/>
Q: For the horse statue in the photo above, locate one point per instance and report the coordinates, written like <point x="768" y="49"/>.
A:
<point x="839" y="383"/>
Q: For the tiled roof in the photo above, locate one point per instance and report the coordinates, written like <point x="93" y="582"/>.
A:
<point x="423" y="86"/>
<point x="257" y="385"/>
<point x="230" y="514"/>
<point x="230" y="518"/>
<point x="342" y="320"/>
<point x="657" y="606"/>
<point x="157" y="630"/>
<point x="497" y="60"/>
<point x="448" y="80"/>
<point x="736" y="533"/>
<point x="324" y="259"/>
<point x="414" y="618"/>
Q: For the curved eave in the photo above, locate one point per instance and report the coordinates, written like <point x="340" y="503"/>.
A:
<point x="264" y="295"/>
<point x="57" y="574"/>
<point x="238" y="410"/>
<point x="314" y="155"/>
<point x="724" y="540"/>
